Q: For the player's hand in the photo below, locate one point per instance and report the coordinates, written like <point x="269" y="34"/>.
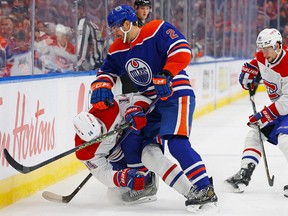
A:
<point x="248" y="75"/>
<point x="131" y="178"/>
<point x="163" y="85"/>
<point x="262" y="118"/>
<point x="136" y="116"/>
<point x="102" y="96"/>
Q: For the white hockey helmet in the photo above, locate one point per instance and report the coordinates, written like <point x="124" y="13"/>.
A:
<point x="268" y="37"/>
<point x="61" y="29"/>
<point x="87" y="126"/>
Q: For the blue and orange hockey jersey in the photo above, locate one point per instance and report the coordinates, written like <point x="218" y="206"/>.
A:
<point x="159" y="46"/>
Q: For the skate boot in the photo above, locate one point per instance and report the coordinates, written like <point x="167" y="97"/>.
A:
<point x="145" y="195"/>
<point x="241" y="179"/>
<point x="201" y="200"/>
<point x="286" y="191"/>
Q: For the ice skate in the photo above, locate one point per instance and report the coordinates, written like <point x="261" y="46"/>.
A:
<point x="241" y="179"/>
<point x="145" y="195"/>
<point x="286" y="191"/>
<point x="201" y="200"/>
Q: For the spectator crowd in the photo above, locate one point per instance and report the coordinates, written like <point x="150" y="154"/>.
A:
<point x="44" y="38"/>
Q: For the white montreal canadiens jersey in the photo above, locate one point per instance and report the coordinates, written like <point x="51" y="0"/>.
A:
<point x="97" y="157"/>
<point x="275" y="79"/>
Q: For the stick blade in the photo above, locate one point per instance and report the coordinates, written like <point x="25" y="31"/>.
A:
<point x="271" y="181"/>
<point x="53" y="197"/>
<point x="13" y="162"/>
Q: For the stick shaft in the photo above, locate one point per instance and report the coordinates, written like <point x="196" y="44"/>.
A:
<point x="270" y="179"/>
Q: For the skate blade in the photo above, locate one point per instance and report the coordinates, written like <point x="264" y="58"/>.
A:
<point x="235" y="188"/>
<point x="286" y="193"/>
<point x="207" y="208"/>
<point x="146" y="199"/>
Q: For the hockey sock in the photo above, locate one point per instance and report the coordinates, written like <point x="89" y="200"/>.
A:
<point x="190" y="161"/>
<point x="171" y="173"/>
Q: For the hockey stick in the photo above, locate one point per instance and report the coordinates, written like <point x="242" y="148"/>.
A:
<point x="270" y="179"/>
<point x="65" y="199"/>
<point x="27" y="169"/>
<point x="150" y="108"/>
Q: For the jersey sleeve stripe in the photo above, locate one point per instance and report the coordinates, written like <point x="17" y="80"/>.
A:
<point x="179" y="48"/>
<point x="180" y="82"/>
<point x="179" y="51"/>
<point x="103" y="75"/>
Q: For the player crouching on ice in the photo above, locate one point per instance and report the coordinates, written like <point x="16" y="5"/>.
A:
<point x="271" y="62"/>
<point x="105" y="159"/>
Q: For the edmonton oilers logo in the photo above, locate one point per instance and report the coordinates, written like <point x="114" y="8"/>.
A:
<point x="139" y="71"/>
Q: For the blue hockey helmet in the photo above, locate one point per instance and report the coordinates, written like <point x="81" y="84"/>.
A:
<point x="120" y="14"/>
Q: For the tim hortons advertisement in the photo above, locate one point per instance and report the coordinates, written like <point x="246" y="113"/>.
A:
<point x="36" y="118"/>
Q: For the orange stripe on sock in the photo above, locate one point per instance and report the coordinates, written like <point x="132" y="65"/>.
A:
<point x="196" y="172"/>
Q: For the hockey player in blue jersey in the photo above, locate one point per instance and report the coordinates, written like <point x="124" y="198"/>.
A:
<point x="154" y="58"/>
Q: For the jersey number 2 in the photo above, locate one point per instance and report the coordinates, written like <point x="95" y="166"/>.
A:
<point x="172" y="33"/>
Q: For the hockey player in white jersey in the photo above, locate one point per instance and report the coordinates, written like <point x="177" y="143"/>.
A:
<point x="271" y="61"/>
<point x="107" y="162"/>
<point x="105" y="159"/>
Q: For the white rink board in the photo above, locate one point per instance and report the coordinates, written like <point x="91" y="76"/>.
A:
<point x="36" y="118"/>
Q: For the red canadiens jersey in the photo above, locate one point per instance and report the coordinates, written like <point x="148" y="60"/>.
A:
<point x="275" y="79"/>
<point x="97" y="156"/>
<point x="159" y="46"/>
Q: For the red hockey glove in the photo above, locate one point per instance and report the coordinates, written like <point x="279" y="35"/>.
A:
<point x="248" y="75"/>
<point x="136" y="116"/>
<point x="163" y="85"/>
<point x="102" y="96"/>
<point x="130" y="178"/>
<point x="263" y="117"/>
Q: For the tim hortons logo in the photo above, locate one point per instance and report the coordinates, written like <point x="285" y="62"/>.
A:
<point x="31" y="136"/>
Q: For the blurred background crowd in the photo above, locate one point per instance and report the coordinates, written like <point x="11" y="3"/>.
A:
<point x="42" y="36"/>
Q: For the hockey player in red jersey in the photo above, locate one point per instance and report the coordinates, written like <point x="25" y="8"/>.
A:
<point x="107" y="162"/>
<point x="154" y="57"/>
<point x="105" y="159"/>
<point x="271" y="62"/>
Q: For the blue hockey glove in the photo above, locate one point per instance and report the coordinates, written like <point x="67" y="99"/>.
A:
<point x="102" y="96"/>
<point x="130" y="178"/>
<point x="248" y="75"/>
<point x="136" y="116"/>
<point x="163" y="85"/>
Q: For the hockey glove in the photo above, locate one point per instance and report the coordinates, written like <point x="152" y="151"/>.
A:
<point x="136" y="116"/>
<point x="248" y="75"/>
<point x="130" y="178"/>
<point x="163" y="85"/>
<point x="102" y="96"/>
<point x="263" y="117"/>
